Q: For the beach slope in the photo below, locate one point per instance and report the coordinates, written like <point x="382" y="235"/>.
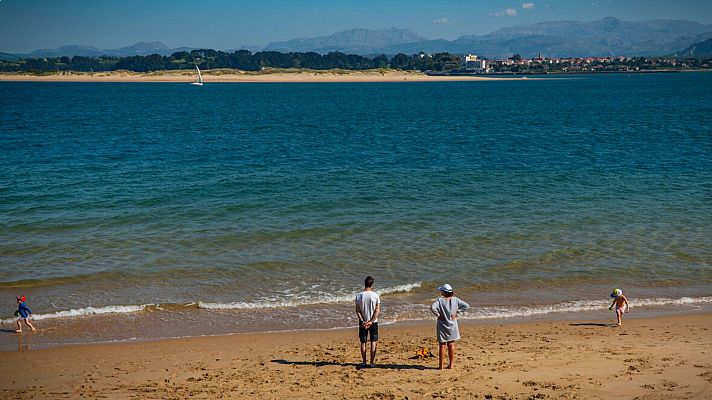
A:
<point x="656" y="358"/>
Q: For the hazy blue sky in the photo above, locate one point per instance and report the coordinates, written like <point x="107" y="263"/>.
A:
<point x="27" y="25"/>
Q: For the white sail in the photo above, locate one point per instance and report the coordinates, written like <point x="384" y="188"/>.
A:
<point x="199" y="78"/>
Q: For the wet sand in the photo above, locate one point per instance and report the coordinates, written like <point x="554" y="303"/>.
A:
<point x="220" y="75"/>
<point x="648" y="358"/>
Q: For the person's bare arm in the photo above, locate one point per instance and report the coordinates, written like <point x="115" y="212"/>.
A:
<point x="375" y="314"/>
<point x="360" y="316"/>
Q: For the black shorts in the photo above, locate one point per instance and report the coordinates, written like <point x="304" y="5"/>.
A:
<point x="363" y="333"/>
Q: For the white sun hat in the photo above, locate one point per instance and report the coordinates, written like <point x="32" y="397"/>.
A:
<point x="445" y="288"/>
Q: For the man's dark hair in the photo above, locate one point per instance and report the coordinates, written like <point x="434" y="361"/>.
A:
<point x="368" y="282"/>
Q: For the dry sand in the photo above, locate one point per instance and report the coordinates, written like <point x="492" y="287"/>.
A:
<point x="229" y="75"/>
<point x="656" y="358"/>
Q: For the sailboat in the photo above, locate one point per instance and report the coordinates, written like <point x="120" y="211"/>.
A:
<point x="199" y="78"/>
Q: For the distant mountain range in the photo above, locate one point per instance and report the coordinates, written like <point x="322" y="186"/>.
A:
<point x="355" y="41"/>
<point x="605" y="37"/>
<point x="138" y="49"/>
<point x="8" y="57"/>
<point x="697" y="50"/>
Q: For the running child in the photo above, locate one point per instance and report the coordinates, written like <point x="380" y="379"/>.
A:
<point x="621" y="304"/>
<point x="23" y="312"/>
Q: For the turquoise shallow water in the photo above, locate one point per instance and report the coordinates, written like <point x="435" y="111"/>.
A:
<point x="235" y="197"/>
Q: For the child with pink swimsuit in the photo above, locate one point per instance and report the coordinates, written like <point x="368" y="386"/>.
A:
<point x="621" y="304"/>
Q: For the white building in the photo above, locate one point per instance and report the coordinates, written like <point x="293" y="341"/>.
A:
<point x="473" y="63"/>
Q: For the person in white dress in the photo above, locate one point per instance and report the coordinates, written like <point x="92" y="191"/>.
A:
<point x="446" y="309"/>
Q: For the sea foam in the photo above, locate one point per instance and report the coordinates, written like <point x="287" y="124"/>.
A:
<point x="576" y="306"/>
<point x="87" y="311"/>
<point x="271" y="302"/>
<point x="303" y="299"/>
<point x="475" y="313"/>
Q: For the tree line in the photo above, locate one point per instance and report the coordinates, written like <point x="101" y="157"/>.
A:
<point x="241" y="59"/>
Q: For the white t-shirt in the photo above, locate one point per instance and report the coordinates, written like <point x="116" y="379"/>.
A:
<point x="366" y="302"/>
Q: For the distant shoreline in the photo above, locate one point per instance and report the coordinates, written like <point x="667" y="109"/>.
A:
<point x="222" y="76"/>
<point x="298" y="76"/>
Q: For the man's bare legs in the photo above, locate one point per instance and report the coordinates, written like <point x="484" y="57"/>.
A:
<point x="374" y="346"/>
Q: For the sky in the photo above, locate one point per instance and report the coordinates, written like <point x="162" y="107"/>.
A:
<point x="27" y="25"/>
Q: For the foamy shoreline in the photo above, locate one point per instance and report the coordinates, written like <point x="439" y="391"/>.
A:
<point x="647" y="357"/>
<point x="481" y="313"/>
<point x="129" y="322"/>
<point x="223" y="76"/>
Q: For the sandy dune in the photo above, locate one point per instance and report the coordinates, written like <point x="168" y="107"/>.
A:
<point x="220" y="75"/>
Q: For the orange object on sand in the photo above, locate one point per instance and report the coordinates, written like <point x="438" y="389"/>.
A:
<point x="424" y="352"/>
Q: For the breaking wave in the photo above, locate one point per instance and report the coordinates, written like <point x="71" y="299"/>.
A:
<point x="87" y="311"/>
<point x="476" y="313"/>
<point x="302" y="300"/>
<point x="576" y="306"/>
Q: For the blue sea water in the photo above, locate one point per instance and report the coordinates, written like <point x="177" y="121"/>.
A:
<point x="232" y="198"/>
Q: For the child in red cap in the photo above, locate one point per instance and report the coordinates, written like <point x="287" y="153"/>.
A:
<point x="23" y="312"/>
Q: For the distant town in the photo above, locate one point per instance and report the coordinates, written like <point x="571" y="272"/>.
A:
<point x="472" y="64"/>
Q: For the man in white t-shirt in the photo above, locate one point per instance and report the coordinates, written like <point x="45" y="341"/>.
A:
<point x="368" y="306"/>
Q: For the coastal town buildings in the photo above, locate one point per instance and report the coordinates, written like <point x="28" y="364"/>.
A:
<point x="474" y="63"/>
<point x="471" y="63"/>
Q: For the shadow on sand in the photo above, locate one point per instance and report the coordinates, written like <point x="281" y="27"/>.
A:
<point x="354" y="365"/>
<point x="594" y="324"/>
